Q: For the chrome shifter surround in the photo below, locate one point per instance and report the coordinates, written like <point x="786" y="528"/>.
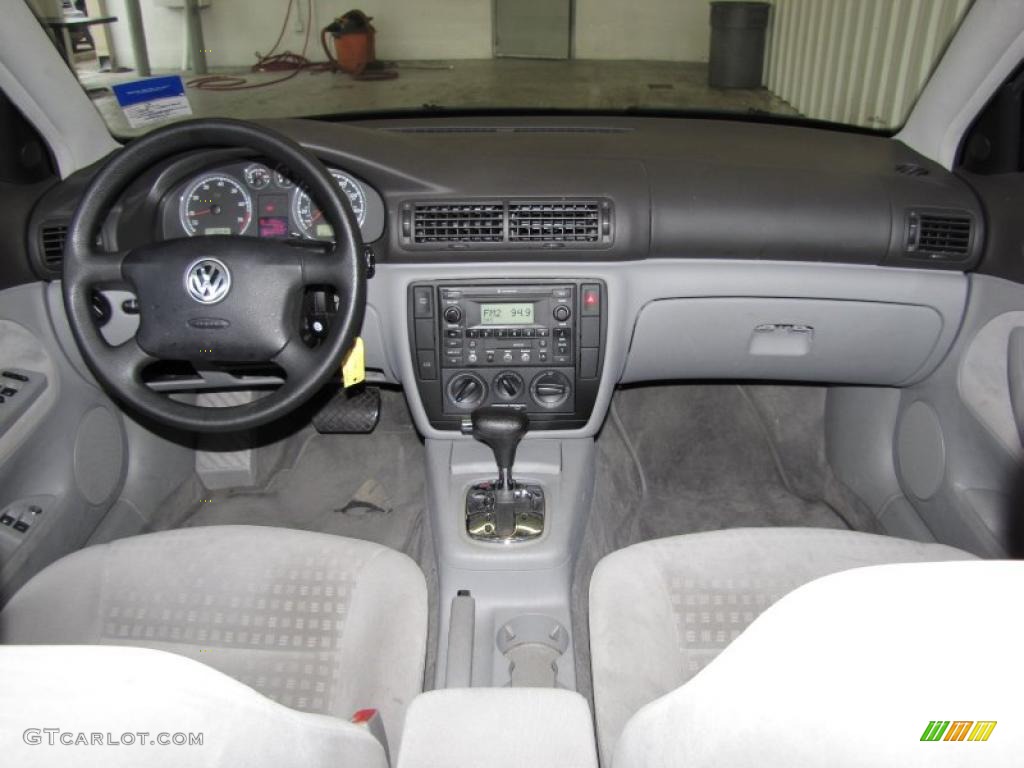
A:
<point x="504" y="516"/>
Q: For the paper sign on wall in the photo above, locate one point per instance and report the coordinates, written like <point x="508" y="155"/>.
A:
<point x="154" y="100"/>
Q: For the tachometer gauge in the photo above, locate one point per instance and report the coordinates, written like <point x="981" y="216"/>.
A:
<point x="310" y="218"/>
<point x="258" y="176"/>
<point x="215" y="204"/>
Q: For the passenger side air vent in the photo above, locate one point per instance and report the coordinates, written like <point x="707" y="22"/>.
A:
<point x="51" y="245"/>
<point x="939" y="236"/>
<point x="556" y="222"/>
<point x="458" y="223"/>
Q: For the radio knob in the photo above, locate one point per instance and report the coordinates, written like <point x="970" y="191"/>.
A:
<point x="452" y="315"/>
<point x="561" y="313"/>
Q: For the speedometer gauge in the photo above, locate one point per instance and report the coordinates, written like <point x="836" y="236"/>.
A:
<point x="310" y="218"/>
<point x="215" y="204"/>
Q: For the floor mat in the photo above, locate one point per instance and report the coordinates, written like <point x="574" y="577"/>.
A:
<point x="370" y="487"/>
<point x="691" y="457"/>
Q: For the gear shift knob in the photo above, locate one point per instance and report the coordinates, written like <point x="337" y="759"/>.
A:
<point x="501" y="429"/>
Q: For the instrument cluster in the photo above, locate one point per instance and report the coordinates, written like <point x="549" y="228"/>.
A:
<point x="253" y="199"/>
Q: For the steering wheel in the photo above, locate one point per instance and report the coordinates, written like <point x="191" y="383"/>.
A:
<point x="223" y="299"/>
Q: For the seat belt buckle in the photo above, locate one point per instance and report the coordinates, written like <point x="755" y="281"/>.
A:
<point x="374" y="723"/>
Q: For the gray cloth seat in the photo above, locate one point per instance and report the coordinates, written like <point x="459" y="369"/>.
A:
<point x="318" y="623"/>
<point x="661" y="610"/>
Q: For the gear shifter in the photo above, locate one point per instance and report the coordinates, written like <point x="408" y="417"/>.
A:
<point x="501" y="429"/>
<point x="502" y="510"/>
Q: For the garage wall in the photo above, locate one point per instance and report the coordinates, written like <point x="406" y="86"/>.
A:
<point x="669" y="30"/>
<point x="666" y="30"/>
<point x="235" y="29"/>
<point x="857" y="61"/>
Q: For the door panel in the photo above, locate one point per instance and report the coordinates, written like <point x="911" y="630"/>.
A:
<point x="63" y="459"/>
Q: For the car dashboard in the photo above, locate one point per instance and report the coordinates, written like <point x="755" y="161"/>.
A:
<point x="537" y="263"/>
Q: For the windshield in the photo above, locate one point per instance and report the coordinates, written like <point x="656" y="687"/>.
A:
<point x="839" y="61"/>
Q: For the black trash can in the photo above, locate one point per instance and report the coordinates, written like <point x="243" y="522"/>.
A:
<point x="737" y="44"/>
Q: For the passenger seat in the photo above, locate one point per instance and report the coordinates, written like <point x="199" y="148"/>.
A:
<point x="662" y="610"/>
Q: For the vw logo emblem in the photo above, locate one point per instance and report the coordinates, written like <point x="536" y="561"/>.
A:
<point x="207" y="281"/>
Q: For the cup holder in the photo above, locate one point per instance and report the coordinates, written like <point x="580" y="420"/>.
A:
<point x="533" y="643"/>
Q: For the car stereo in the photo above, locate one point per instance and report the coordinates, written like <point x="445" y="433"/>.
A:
<point x="536" y="346"/>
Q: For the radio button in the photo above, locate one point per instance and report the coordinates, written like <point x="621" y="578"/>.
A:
<point x="423" y="301"/>
<point x="561" y="313"/>
<point x="453" y="343"/>
<point x="452" y="314"/>
<point x="427" y="366"/>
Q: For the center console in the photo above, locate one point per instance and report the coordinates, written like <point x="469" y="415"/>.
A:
<point x="535" y="346"/>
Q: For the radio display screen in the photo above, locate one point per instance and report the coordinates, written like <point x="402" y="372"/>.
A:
<point x="520" y="313"/>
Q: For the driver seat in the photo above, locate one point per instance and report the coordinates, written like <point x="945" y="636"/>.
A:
<point x="318" y="623"/>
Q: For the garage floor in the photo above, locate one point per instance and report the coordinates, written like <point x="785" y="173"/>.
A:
<point x="475" y="84"/>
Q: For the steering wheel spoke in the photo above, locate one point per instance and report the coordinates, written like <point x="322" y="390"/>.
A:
<point x="102" y="269"/>
<point x="127" y="360"/>
<point x="296" y="360"/>
<point x="319" y="269"/>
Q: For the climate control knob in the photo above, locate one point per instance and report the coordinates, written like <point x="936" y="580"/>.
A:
<point x="561" y="313"/>
<point x="452" y="315"/>
<point x="466" y="390"/>
<point x="550" y="389"/>
<point x="508" y="385"/>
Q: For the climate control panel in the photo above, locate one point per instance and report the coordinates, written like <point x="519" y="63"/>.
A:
<point x="536" y="346"/>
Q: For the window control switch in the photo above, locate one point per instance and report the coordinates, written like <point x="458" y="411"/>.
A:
<point x="7" y="520"/>
<point x="8" y="391"/>
<point x="20" y="526"/>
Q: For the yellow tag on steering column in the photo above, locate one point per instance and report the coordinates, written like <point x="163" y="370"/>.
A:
<point x="353" y="367"/>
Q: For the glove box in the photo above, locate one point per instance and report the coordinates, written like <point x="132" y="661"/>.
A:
<point x="848" y="342"/>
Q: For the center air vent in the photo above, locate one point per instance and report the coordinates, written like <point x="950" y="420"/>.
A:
<point x="939" y="236"/>
<point x="458" y="223"/>
<point x="520" y="223"/>
<point x="554" y="222"/>
<point x="51" y="245"/>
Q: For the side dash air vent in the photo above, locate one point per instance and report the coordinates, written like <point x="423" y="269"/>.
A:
<point x="557" y="222"/>
<point x="458" y="223"/>
<point x="52" y="236"/>
<point x="939" y="236"/>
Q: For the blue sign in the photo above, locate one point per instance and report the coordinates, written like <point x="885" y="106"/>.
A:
<point x="150" y="89"/>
